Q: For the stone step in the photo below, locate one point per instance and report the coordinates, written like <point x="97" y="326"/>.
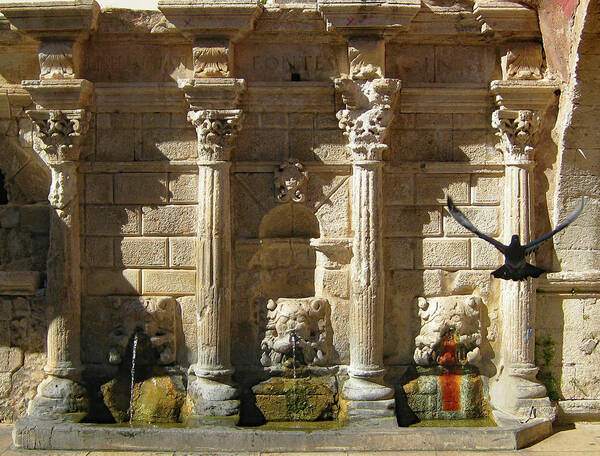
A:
<point x="366" y="436"/>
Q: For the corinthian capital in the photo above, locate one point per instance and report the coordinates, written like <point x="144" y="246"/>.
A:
<point x="368" y="114"/>
<point x="58" y="134"/>
<point x="216" y="131"/>
<point x="517" y="131"/>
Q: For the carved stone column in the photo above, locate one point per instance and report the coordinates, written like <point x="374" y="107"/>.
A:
<point x="60" y="124"/>
<point x="516" y="390"/>
<point x="211" y="388"/>
<point x="57" y="139"/>
<point x="369" y="111"/>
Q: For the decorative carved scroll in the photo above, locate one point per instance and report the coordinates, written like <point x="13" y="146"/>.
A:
<point x="211" y="62"/>
<point x="155" y="317"/>
<point x="443" y="316"/>
<point x="56" y="60"/>
<point x="306" y="318"/>
<point x="523" y="61"/>
<point x="290" y="181"/>
<point x="362" y="57"/>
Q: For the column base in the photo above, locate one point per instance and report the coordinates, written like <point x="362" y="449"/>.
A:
<point x="213" y="397"/>
<point x="518" y="393"/>
<point x="366" y="398"/>
<point x="59" y="399"/>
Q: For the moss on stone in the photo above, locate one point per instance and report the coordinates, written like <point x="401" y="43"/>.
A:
<point x="303" y="399"/>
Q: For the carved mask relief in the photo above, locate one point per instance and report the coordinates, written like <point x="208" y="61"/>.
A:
<point x="306" y="320"/>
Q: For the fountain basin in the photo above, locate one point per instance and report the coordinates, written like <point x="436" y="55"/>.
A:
<point x="370" y="435"/>
<point x="297" y="399"/>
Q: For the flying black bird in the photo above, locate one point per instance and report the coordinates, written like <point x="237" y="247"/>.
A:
<point x="515" y="267"/>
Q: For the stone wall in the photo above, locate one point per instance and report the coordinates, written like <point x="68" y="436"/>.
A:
<point x="568" y="326"/>
<point x="139" y="219"/>
<point x="23" y="320"/>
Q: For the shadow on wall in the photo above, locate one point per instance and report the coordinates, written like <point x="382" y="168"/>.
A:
<point x="139" y="278"/>
<point x="23" y="249"/>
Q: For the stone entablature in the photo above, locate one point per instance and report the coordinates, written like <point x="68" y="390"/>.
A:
<point x="178" y="167"/>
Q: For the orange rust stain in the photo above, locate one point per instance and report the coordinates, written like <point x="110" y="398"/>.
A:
<point x="450" y="385"/>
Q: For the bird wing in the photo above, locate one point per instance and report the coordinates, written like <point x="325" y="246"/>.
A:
<point x="464" y="221"/>
<point x="533" y="245"/>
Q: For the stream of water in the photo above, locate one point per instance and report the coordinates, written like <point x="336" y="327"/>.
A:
<point x="135" y="342"/>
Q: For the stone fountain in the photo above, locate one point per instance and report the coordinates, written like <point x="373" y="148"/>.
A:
<point x="247" y="208"/>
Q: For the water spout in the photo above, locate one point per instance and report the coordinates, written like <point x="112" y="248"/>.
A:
<point x="293" y="340"/>
<point x="133" y="355"/>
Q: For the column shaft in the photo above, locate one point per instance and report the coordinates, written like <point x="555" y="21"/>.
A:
<point x="214" y="272"/>
<point x="366" y="311"/>
<point x="518" y="300"/>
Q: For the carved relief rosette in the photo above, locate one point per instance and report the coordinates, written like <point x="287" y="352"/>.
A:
<point x="216" y="132"/>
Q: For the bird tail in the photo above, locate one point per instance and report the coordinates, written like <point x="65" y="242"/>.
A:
<point x="511" y="274"/>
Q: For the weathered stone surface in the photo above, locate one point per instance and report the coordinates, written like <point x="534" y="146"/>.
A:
<point x="302" y="399"/>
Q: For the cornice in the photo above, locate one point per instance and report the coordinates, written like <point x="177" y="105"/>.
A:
<point x="534" y="95"/>
<point x="225" y="19"/>
<point x="52" y="20"/>
<point x="358" y="17"/>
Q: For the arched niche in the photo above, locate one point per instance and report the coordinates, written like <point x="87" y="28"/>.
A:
<point x="285" y="259"/>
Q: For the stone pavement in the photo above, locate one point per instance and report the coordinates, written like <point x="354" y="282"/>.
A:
<point x="579" y="440"/>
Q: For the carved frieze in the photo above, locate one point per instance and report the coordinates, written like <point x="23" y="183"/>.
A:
<point x="291" y="181"/>
<point x="216" y="132"/>
<point x="58" y="134"/>
<point x="211" y="62"/>
<point x="517" y="131"/>
<point x="457" y="316"/>
<point x="155" y="317"/>
<point x="523" y="61"/>
<point x="56" y="60"/>
<point x="368" y="114"/>
<point x="305" y="320"/>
